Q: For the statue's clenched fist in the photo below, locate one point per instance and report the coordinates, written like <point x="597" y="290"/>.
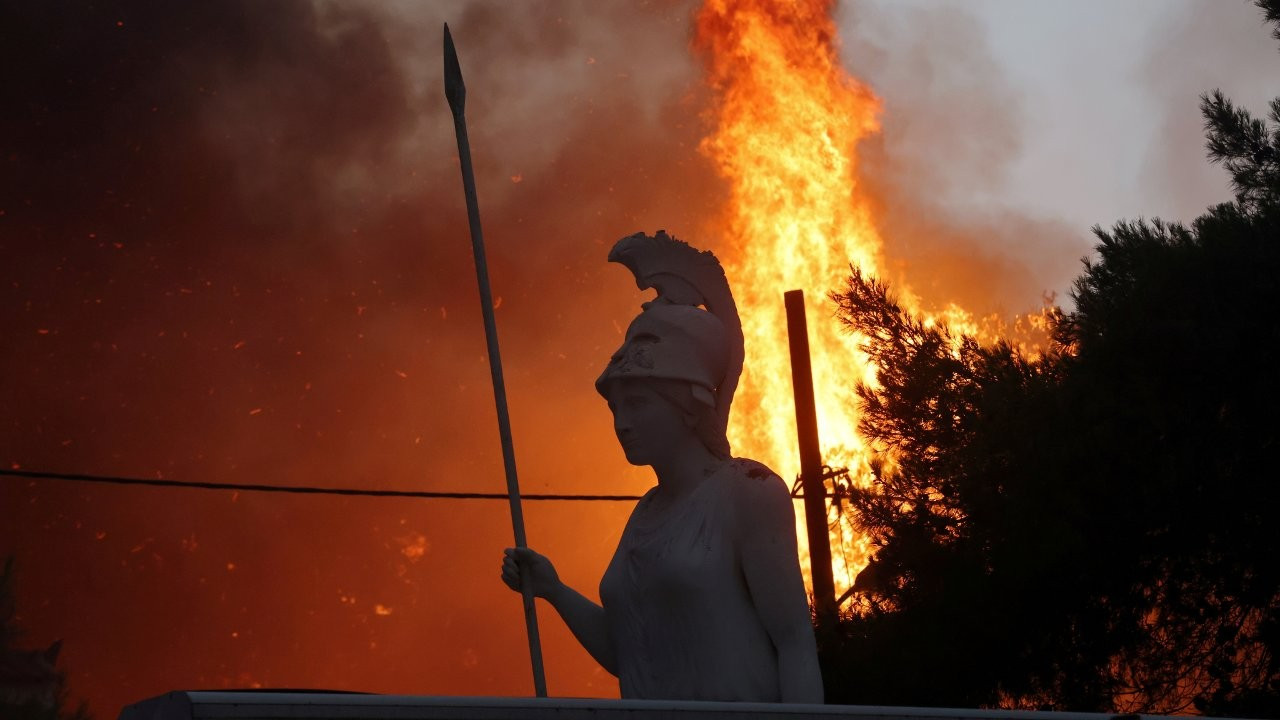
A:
<point x="543" y="579"/>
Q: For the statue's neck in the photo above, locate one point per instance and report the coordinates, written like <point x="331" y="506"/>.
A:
<point x="685" y="469"/>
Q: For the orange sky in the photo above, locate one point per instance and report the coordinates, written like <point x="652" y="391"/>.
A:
<point x="242" y="256"/>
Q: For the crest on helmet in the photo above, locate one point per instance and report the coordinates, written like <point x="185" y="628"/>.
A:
<point x="690" y="331"/>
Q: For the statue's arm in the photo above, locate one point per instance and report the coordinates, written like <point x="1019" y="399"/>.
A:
<point x="584" y="618"/>
<point x="767" y="540"/>
<point x="586" y="621"/>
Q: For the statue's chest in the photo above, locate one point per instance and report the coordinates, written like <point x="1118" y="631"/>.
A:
<point x="676" y="555"/>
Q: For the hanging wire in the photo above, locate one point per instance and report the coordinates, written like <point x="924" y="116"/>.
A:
<point x="301" y="489"/>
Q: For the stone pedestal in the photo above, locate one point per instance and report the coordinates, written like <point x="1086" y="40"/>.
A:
<point x="270" y="705"/>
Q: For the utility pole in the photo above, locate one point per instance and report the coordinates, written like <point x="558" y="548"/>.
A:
<point x="811" y="480"/>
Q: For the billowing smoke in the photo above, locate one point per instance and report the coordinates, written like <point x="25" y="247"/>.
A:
<point x="235" y="249"/>
<point x="1206" y="45"/>
<point x="952" y="127"/>
<point x="1110" y="131"/>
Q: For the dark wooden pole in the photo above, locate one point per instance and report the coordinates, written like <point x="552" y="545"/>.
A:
<point x="815" y="492"/>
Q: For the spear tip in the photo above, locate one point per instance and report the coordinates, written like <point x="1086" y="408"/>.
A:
<point x="454" y="89"/>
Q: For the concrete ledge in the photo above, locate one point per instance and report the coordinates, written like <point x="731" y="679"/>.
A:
<point x="273" y="705"/>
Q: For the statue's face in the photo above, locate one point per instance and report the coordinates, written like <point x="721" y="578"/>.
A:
<point x="649" y="427"/>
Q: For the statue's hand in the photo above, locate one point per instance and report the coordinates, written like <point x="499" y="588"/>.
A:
<point x="541" y="573"/>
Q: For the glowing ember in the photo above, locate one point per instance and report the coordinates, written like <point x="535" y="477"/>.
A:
<point x="414" y="546"/>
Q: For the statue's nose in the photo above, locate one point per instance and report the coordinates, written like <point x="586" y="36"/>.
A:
<point x="623" y="428"/>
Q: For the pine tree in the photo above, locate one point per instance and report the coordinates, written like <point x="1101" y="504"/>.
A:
<point x="1091" y="529"/>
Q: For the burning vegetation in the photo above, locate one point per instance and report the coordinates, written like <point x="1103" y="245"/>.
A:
<point x="787" y="120"/>
<point x="222" y="273"/>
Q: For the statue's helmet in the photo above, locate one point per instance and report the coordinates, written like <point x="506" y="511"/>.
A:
<point x="690" y="332"/>
<point x="672" y="342"/>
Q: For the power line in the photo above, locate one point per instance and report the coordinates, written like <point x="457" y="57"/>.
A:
<point x="299" y="489"/>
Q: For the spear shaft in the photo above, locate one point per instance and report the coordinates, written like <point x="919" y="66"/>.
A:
<point x="456" y="92"/>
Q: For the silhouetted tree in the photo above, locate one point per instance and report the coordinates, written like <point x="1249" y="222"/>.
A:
<point x="1091" y="529"/>
<point x="31" y="687"/>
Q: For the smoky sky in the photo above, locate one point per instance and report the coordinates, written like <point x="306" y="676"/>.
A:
<point x="952" y="126"/>
<point x="233" y="247"/>
<point x="1206" y="46"/>
<point x="958" y="128"/>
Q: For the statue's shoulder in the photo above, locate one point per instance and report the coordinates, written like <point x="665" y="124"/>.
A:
<point x="748" y="469"/>
<point x="752" y="479"/>
<point x="759" y="496"/>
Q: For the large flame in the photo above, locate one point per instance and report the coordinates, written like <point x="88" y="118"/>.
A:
<point x="788" y="119"/>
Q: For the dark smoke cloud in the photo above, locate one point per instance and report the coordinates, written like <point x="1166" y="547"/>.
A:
<point x="234" y="248"/>
<point x="953" y="125"/>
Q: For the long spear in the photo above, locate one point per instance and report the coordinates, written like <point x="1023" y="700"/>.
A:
<point x="456" y="93"/>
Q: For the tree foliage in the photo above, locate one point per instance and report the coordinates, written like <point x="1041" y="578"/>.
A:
<point x="1091" y="529"/>
<point x="30" y="687"/>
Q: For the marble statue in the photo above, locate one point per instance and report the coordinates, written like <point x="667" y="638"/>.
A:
<point x="703" y="599"/>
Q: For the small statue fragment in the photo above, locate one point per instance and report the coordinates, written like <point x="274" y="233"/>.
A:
<point x="703" y="599"/>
